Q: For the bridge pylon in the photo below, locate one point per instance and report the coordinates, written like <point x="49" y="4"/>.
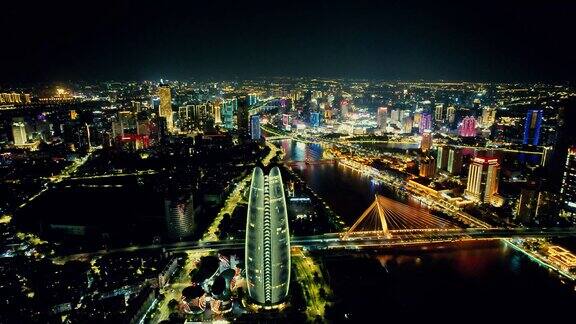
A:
<point x="385" y="216"/>
<point x="373" y="214"/>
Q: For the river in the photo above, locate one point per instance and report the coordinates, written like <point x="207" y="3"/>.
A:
<point x="454" y="284"/>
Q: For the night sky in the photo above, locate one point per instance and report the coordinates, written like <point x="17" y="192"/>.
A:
<point x="432" y="40"/>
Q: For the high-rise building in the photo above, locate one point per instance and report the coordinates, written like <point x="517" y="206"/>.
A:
<point x="454" y="161"/>
<point x="450" y="114"/>
<point x="155" y="104"/>
<point x="76" y="136"/>
<point x="568" y="186"/>
<point x="532" y="126"/>
<point x="267" y="255"/>
<point x="442" y="157"/>
<point x="285" y="120"/>
<point x="314" y="119"/>
<point x="395" y="116"/>
<point x="403" y="114"/>
<point x="19" y="133"/>
<point x="425" y="122"/>
<point x="488" y="116"/>
<point x="179" y="213"/>
<point x="483" y="179"/>
<point x="439" y="113"/>
<point x="381" y="118"/>
<point x="427" y="166"/>
<point x="344" y="109"/>
<point x="565" y="139"/>
<point x="417" y="118"/>
<point x="252" y="99"/>
<point x="426" y="142"/>
<point x="136" y="106"/>
<point x="468" y="127"/>
<point x="476" y="104"/>
<point x="165" y="109"/>
<point x="407" y="125"/>
<point x="128" y="121"/>
<point x="228" y="111"/>
<point x="183" y="112"/>
<point x="528" y="203"/>
<point x="216" y="114"/>
<point x="243" y="117"/>
<point x="255" y="127"/>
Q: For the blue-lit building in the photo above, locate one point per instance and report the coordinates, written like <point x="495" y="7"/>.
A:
<point x="314" y="119"/>
<point x="255" y="127"/>
<point x="252" y="100"/>
<point x="532" y="126"/>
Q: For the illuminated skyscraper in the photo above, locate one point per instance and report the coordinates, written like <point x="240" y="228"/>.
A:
<point x="427" y="166"/>
<point x="252" y="99"/>
<point x="442" y="157"/>
<point x="165" y="109"/>
<point x="155" y="104"/>
<point x="255" y="127"/>
<point x="407" y="125"/>
<point x="395" y="116"/>
<point x="451" y="114"/>
<point x="314" y="119"/>
<point x="483" y="178"/>
<point x="426" y="142"/>
<point x="468" y="127"/>
<point x="285" y="120"/>
<point x="532" y="126"/>
<point x="454" y="161"/>
<point x="528" y="203"/>
<point x="344" y="109"/>
<point x="488" y="116"/>
<point x="179" y="213"/>
<point x="267" y="240"/>
<point x="568" y="188"/>
<point x="425" y="122"/>
<point x="439" y="113"/>
<point x="381" y="118"/>
<point x="476" y="104"/>
<point x="228" y="111"/>
<point x="19" y="133"/>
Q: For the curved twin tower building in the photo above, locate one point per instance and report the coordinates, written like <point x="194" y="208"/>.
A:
<point x="267" y="240"/>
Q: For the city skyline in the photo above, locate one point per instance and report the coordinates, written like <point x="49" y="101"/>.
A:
<point x="302" y="162"/>
<point x="366" y="181"/>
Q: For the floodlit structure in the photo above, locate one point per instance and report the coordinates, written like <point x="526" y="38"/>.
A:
<point x="267" y="240"/>
<point x="568" y="189"/>
<point x="426" y="142"/>
<point x="425" y="122"/>
<point x="255" y="127"/>
<point x="468" y="127"/>
<point x="165" y="106"/>
<point x="179" y="213"/>
<point x="381" y="118"/>
<point x="483" y="178"/>
<point x="532" y="126"/>
<point x="386" y="216"/>
<point x="19" y="133"/>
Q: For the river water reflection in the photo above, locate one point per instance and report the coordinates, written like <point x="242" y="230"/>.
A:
<point x="454" y="283"/>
